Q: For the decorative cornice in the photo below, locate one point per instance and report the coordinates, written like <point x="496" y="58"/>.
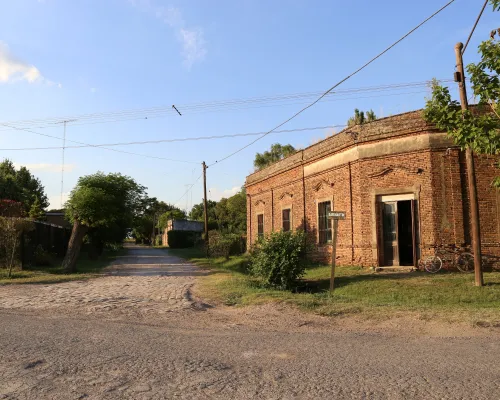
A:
<point x="390" y="168"/>
<point x="285" y="195"/>
<point x="259" y="202"/>
<point x="322" y="183"/>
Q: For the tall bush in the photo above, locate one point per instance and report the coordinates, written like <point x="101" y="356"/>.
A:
<point x="279" y="259"/>
<point x="224" y="244"/>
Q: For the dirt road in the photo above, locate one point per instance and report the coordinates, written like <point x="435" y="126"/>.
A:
<point x="138" y="334"/>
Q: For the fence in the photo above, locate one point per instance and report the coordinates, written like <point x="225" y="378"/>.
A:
<point x="41" y="238"/>
<point x="51" y="238"/>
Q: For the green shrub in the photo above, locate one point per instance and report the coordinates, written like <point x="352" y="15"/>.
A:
<point x="279" y="259"/>
<point x="182" y="239"/>
<point x="224" y="244"/>
<point x="158" y="240"/>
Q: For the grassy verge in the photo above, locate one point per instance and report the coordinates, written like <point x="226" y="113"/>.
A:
<point x="448" y="296"/>
<point x="85" y="269"/>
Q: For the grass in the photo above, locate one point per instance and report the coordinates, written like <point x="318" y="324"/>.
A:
<point x="360" y="291"/>
<point x="85" y="269"/>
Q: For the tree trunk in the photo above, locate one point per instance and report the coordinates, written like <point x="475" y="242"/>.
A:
<point x="12" y="257"/>
<point x="74" y="246"/>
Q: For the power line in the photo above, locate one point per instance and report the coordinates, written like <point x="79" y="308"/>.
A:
<point x="474" y="27"/>
<point x="225" y="105"/>
<point x="338" y="83"/>
<point x="100" y="147"/>
<point x="188" y="139"/>
<point x="187" y="191"/>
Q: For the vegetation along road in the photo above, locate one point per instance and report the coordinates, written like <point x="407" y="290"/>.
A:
<point x="139" y="333"/>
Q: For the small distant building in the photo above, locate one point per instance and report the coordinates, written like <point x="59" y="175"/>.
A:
<point x="181" y="225"/>
<point x="57" y="218"/>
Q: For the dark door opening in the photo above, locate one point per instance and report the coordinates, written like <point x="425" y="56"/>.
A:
<point x="405" y="232"/>
<point x="399" y="233"/>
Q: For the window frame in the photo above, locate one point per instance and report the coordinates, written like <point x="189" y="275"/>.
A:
<point x="290" y="218"/>
<point x="319" y="234"/>
<point x="259" y="234"/>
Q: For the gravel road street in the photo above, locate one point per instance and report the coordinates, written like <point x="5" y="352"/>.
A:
<point x="138" y="333"/>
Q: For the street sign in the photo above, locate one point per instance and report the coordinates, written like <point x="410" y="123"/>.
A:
<point x="337" y="214"/>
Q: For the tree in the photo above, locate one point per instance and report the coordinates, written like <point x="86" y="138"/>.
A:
<point x="197" y="213"/>
<point x="360" y="118"/>
<point x="479" y="128"/>
<point x="100" y="201"/>
<point x="175" y="213"/>
<point x="231" y="213"/>
<point x="36" y="212"/>
<point x="276" y="153"/>
<point x="20" y="185"/>
<point x="11" y="229"/>
<point x="154" y="212"/>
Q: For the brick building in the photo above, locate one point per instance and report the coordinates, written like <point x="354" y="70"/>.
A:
<point x="402" y="183"/>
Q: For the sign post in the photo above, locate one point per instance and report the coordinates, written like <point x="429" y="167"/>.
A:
<point x="335" y="216"/>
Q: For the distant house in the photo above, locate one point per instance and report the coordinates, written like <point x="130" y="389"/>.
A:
<point x="57" y="218"/>
<point x="181" y="225"/>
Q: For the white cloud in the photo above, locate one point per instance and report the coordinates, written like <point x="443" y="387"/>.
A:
<point x="192" y="39"/>
<point x="193" y="45"/>
<point x="215" y="194"/>
<point x="47" y="167"/>
<point x="15" y="70"/>
<point x="12" y="69"/>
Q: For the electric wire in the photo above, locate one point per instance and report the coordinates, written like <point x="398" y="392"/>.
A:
<point x="187" y="191"/>
<point x="475" y="25"/>
<point x="100" y="147"/>
<point x="228" y="105"/>
<point x="188" y="139"/>
<point x="337" y="84"/>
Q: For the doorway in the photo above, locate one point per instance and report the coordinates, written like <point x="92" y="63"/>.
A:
<point x="398" y="232"/>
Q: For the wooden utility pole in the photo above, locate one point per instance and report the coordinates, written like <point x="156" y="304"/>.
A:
<point x="471" y="174"/>
<point x="205" y="205"/>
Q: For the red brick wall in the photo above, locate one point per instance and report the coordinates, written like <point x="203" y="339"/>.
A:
<point x="436" y="176"/>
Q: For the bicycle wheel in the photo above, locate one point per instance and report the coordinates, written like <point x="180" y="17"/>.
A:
<point x="433" y="264"/>
<point x="465" y="262"/>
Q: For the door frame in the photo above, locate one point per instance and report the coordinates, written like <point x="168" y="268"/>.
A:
<point x="375" y="196"/>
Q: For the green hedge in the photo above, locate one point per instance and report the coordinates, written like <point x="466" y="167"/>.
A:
<point x="182" y="239"/>
<point x="224" y="244"/>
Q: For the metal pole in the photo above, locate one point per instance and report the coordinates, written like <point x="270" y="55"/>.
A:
<point x="205" y="206"/>
<point x="62" y="165"/>
<point x="334" y="253"/>
<point x="471" y="176"/>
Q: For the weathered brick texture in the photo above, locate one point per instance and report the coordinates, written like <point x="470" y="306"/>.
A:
<point x="391" y="156"/>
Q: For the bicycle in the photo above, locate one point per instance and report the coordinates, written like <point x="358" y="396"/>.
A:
<point x="462" y="260"/>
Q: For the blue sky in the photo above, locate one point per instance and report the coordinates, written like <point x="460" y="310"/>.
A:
<point x="66" y="58"/>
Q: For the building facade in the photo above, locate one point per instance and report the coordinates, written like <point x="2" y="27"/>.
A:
<point x="401" y="182"/>
<point x="181" y="225"/>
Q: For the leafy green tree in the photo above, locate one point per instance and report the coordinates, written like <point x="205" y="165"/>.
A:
<point x="197" y="213"/>
<point x="36" y="212"/>
<point x="360" y="117"/>
<point x="175" y="213"/>
<point x="478" y="128"/>
<point x="231" y="213"/>
<point x="276" y="153"/>
<point x="20" y="185"/>
<point x="100" y="201"/>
